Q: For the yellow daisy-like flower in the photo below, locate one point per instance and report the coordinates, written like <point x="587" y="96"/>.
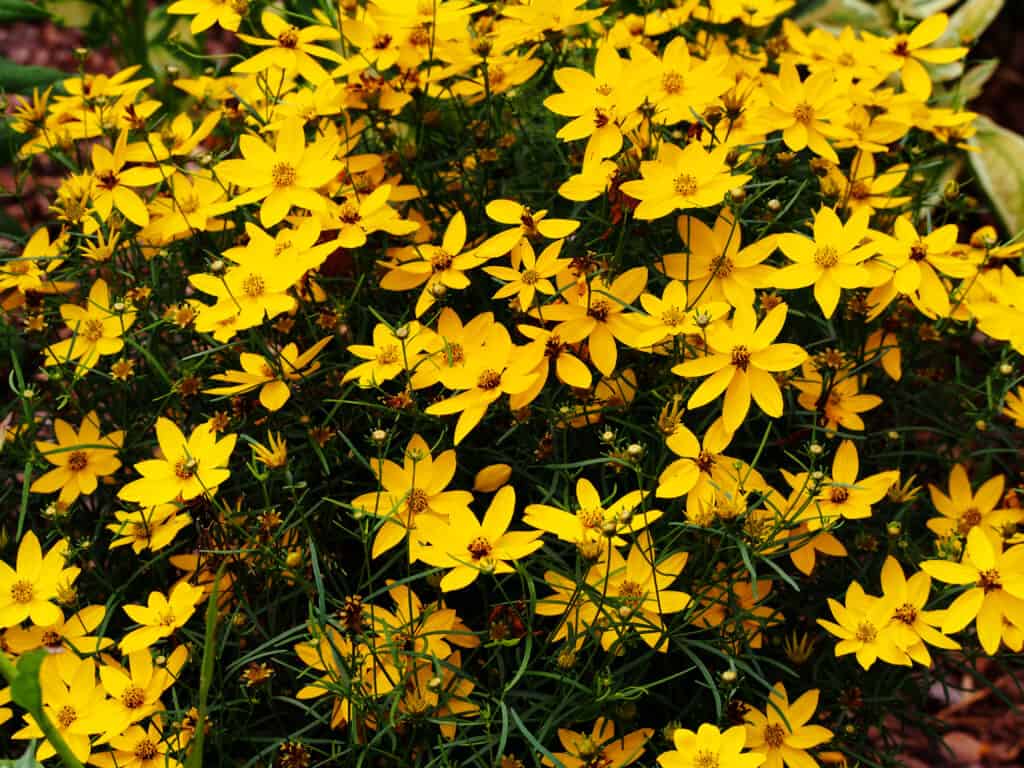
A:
<point x="863" y="626"/>
<point x="270" y="375"/>
<point x="291" y="49"/>
<point x="909" y="52"/>
<point x="1014" y="407"/>
<point x="190" y="467"/>
<point x="27" y="589"/>
<point x="710" y="748"/>
<point x="533" y="277"/>
<point x="600" y="747"/>
<point x="96" y="329"/>
<point x="113" y="184"/>
<point x="79" y="457"/>
<point x="153" y="528"/>
<point x="160" y="616"/>
<point x="225" y="13"/>
<point x="468" y="547"/>
<point x="741" y="359"/>
<point x="781" y="732"/>
<point x="963" y="509"/>
<point x="808" y="112"/>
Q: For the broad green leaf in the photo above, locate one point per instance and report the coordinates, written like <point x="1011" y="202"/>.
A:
<point x="969" y="21"/>
<point x="25" y="691"/>
<point x="20" y="10"/>
<point x="920" y="9"/>
<point x="17" y="78"/>
<point x="999" y="166"/>
<point x="72" y="13"/>
<point x="859" y="14"/>
<point x="973" y="82"/>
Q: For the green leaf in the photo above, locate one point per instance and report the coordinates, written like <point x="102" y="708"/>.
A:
<point x="999" y="166"/>
<point x="920" y="9"/>
<point x="72" y="13"/>
<point x="859" y="14"/>
<point x="27" y="759"/>
<point x="969" y="21"/>
<point x="20" y="10"/>
<point x="974" y="79"/>
<point x="18" y="78"/>
<point x="25" y="690"/>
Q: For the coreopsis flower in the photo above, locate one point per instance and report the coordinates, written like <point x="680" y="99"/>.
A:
<point x="906" y="52"/>
<point x="808" y="112"/>
<point x="113" y="184"/>
<point x="27" y="589"/>
<point x="829" y="261"/>
<point x="393" y="351"/>
<point x="593" y="520"/>
<point x="539" y="16"/>
<point x="160" y="616"/>
<point x="273" y="455"/>
<point x="603" y="105"/>
<point x="836" y="398"/>
<point x="636" y="592"/>
<point x="868" y="189"/>
<point x="682" y="178"/>
<point x="80" y="458"/>
<point x="445" y="348"/>
<point x="431" y="266"/>
<point x="66" y="635"/>
<point x="844" y="495"/>
<point x="864" y="628"/>
<point x="806" y="545"/>
<point x="33" y="269"/>
<point x="271" y="375"/>
<point x="547" y="348"/>
<point x="411" y="491"/>
<point x="781" y="732"/>
<point x="679" y="85"/>
<point x="995" y="602"/>
<point x="344" y="668"/>
<point x="152" y="528"/>
<point x="136" y="688"/>
<point x="600" y="747"/>
<point x="491" y="370"/>
<point x="710" y="747"/>
<point x="963" y="509"/>
<point x="192" y="204"/>
<point x="96" y="329"/>
<point x="1014" y="407"/>
<point x="596" y="311"/>
<point x="357" y="217"/>
<point x="673" y="315"/>
<point x="75" y="705"/>
<point x="534" y="275"/>
<point x="741" y="359"/>
<point x="138" y="746"/>
<point x="444" y="696"/>
<point x="288" y="175"/>
<point x="189" y="467"/>
<point x="912" y="264"/>
<point x="740" y="610"/>
<point x="525" y="222"/>
<point x="912" y="626"/>
<point x="227" y="14"/>
<point x="467" y="547"/>
<point x="290" y="48"/>
<point x="716" y="264"/>
<point x="700" y="461"/>
<point x="592" y="181"/>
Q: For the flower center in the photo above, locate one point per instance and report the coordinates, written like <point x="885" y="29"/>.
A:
<point x="388" y="354"/>
<point x="189" y="204"/>
<point x="970" y="518"/>
<point x="901" y="47"/>
<point x="826" y="257"/>
<point x="529" y="277"/>
<point x="167" y="619"/>
<point x="906" y="613"/>
<point x="241" y="7"/>
<point x="440" y="261"/>
<point x="52" y="639"/>
<point x="456" y="354"/>
<point x="289" y="38"/>
<point x="866" y="632"/>
<point x="495" y="75"/>
<point x="741" y="357"/>
<point x="990" y="580"/>
<point x="349" y="214"/>
<point x="66" y="717"/>
<point x="92" y="329"/>
<point x="133" y="697"/>
<point x="22" y="592"/>
<point x="673" y="317"/>
<point x="253" y="285"/>
<point x="722" y="267"/>
<point x="774" y="735"/>
<point x="599" y="309"/>
<point x="672" y="82"/>
<point x="489" y="379"/>
<point x="705" y="759"/>
<point x="685" y="184"/>
<point x="381" y="42"/>
<point x="601" y="117"/>
<point x="145" y="750"/>
<point x="282" y="174"/>
<point x="919" y="251"/>
<point x="803" y="113"/>
<point x="553" y="347"/>
<point x="77" y="461"/>
<point x="631" y="592"/>
<point x="479" y="548"/>
<point x="705" y="462"/>
<point x="417" y="501"/>
<point x="860" y="190"/>
<point x="839" y="495"/>
<point x="107" y="179"/>
<point x="590" y="518"/>
<point x="184" y="469"/>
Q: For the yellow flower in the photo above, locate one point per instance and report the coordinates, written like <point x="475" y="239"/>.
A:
<point x="271" y="375"/>
<point x="962" y="510"/>
<point x="912" y="626"/>
<point x="525" y="223"/>
<point x="863" y="626"/>
<point x="600" y="747"/>
<point x="741" y="359"/>
<point x="809" y="112"/>
<point x="781" y="732"/>
<point x="189" y="468"/>
<point x="274" y="454"/>
<point x="27" y="589"/>
<point x="153" y="528"/>
<point x="593" y="520"/>
<point x="96" y="329"/>
<point x="71" y="635"/>
<point x="547" y="347"/>
<point x="290" y="48"/>
<point x="710" y="748"/>
<point x="393" y="351"/>
<point x="138" y="747"/>
<point x="357" y="217"/>
<point x="160" y="616"/>
<point x="113" y="183"/>
<point x="468" y="547"/>
<point x="830" y="261"/>
<point x="678" y="85"/>
<point x="191" y="205"/>
<point x="596" y="311"/>
<point x="289" y="174"/>
<point x="836" y="398"/>
<point x="844" y="495"/>
<point x="906" y="52"/>
<point x="534" y="276"/>
<point x="33" y="269"/>
<point x="1014" y="407"/>
<point x="681" y="179"/>
<point x="996" y="600"/>
<point x="136" y="690"/>
<point x="80" y="458"/>
<point x="225" y="13"/>
<point x="673" y="315"/>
